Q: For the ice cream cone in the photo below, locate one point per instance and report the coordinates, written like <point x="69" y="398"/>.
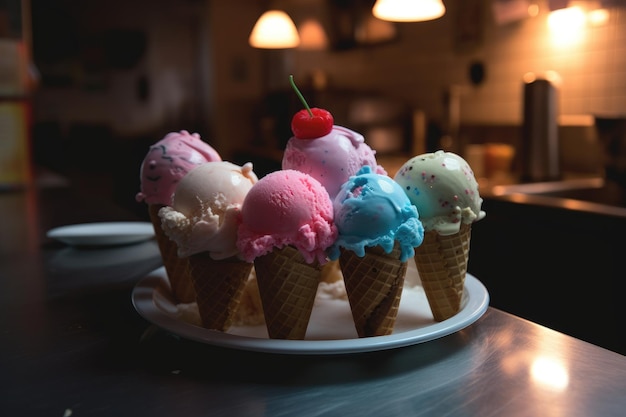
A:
<point x="177" y="268"/>
<point x="219" y="285"/>
<point x="374" y="286"/>
<point x="288" y="286"/>
<point x="250" y="310"/>
<point x="442" y="264"/>
<point x="331" y="272"/>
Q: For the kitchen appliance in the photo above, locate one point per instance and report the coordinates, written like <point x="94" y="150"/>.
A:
<point x="540" y="141"/>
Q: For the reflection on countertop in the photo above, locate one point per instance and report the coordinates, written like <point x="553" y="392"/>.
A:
<point x="579" y="192"/>
<point x="594" y="195"/>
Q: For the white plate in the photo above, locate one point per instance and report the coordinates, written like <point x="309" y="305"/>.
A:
<point x="415" y="324"/>
<point x="103" y="234"/>
<point x="72" y="258"/>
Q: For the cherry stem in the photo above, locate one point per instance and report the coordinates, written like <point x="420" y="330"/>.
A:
<point x="300" y="96"/>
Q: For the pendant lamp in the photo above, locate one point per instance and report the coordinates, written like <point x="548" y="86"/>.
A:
<point x="312" y="35"/>
<point x="408" y="10"/>
<point x="274" y="30"/>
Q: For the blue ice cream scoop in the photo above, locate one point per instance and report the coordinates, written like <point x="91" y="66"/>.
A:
<point x="373" y="210"/>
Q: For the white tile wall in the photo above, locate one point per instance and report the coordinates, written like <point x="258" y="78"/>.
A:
<point x="424" y="63"/>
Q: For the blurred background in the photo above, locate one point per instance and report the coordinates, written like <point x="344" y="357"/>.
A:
<point x="104" y="79"/>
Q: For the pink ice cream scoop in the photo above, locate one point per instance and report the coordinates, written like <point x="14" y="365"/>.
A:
<point x="286" y="207"/>
<point x="168" y="161"/>
<point x="331" y="159"/>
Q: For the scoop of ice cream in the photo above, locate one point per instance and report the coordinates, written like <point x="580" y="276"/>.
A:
<point x="373" y="210"/>
<point x="168" y="161"/>
<point x="443" y="188"/>
<point x="287" y="207"/>
<point x="205" y="207"/>
<point x="330" y="159"/>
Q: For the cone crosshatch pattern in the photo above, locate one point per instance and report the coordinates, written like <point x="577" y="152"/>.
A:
<point x="287" y="286"/>
<point x="442" y="265"/>
<point x="374" y="287"/>
<point x="177" y="268"/>
<point x="219" y="285"/>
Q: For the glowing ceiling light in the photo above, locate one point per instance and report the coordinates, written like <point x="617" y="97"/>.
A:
<point x="408" y="10"/>
<point x="274" y="30"/>
<point x="598" y="17"/>
<point x="312" y="35"/>
<point x="567" y="25"/>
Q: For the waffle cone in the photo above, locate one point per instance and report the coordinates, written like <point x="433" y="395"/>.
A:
<point x="331" y="272"/>
<point x="219" y="285"/>
<point x="287" y="286"/>
<point x="442" y="264"/>
<point x="250" y="310"/>
<point x="177" y="268"/>
<point x="374" y="288"/>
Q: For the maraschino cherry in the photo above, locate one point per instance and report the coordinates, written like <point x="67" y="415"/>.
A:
<point x="310" y="123"/>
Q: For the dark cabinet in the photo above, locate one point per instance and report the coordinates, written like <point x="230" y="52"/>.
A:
<point x="559" y="267"/>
